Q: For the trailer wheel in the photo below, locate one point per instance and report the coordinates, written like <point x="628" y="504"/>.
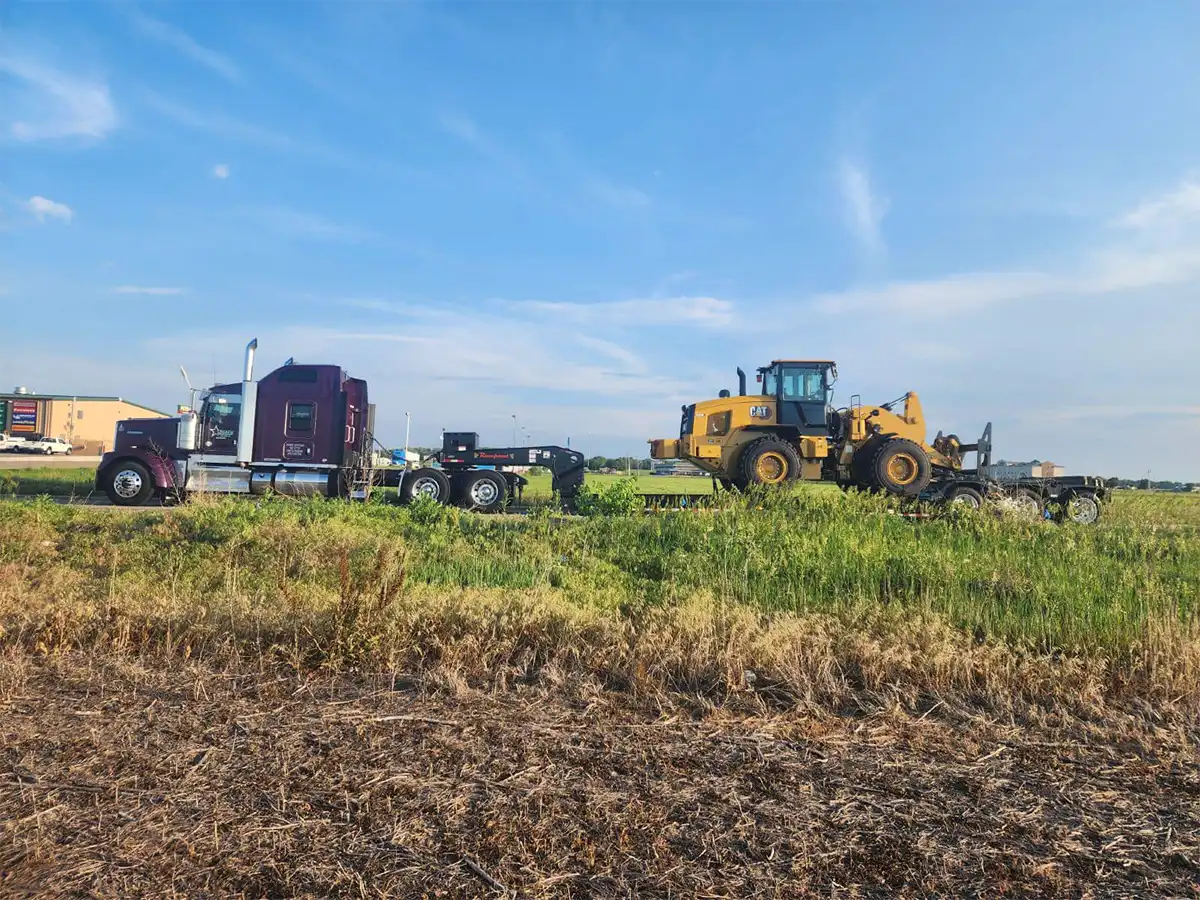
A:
<point x="426" y="482"/>
<point x="128" y="483"/>
<point x="1080" y="507"/>
<point x="484" y="491"/>
<point x="1029" y="503"/>
<point x="967" y="497"/>
<point x="769" y="461"/>
<point x="901" y="467"/>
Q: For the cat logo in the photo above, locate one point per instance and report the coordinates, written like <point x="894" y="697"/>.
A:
<point x="760" y="412"/>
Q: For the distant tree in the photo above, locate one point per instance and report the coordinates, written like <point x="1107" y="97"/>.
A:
<point x="596" y="463"/>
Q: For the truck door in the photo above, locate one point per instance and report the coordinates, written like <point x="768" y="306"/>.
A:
<point x="219" y="424"/>
<point x="802" y="398"/>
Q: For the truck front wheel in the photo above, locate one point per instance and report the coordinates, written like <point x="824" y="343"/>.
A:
<point x="128" y="483"/>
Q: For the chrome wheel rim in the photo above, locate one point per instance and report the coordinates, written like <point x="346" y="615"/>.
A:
<point x="1083" y="510"/>
<point x="127" y="484"/>
<point x="428" y="487"/>
<point x="484" y="492"/>
<point x="968" y="500"/>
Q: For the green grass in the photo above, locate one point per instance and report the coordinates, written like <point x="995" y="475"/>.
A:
<point x="53" y="481"/>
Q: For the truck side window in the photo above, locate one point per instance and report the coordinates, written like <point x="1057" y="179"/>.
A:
<point x="300" y="416"/>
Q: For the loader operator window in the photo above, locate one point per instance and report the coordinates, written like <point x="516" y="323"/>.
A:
<point x="805" y="385"/>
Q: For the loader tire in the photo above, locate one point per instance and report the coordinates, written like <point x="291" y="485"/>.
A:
<point x="901" y="467"/>
<point x="769" y="461"/>
<point x="861" y="476"/>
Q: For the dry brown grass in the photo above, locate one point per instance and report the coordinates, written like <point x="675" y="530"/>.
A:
<point x="128" y="777"/>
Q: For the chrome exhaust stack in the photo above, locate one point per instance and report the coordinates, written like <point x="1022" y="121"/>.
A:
<point x="245" y="437"/>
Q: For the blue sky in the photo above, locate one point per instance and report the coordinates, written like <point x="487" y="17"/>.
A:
<point x="587" y="214"/>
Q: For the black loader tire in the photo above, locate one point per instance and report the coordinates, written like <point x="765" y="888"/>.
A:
<point x="425" y="481"/>
<point x="128" y="483"/>
<point x="769" y="460"/>
<point x="860" y="465"/>
<point x="966" y="496"/>
<point x="901" y="467"/>
<point x="483" y="491"/>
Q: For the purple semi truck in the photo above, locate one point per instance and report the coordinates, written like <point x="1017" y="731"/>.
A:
<point x="303" y="431"/>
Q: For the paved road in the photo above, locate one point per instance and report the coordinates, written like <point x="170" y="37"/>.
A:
<point x="35" y="461"/>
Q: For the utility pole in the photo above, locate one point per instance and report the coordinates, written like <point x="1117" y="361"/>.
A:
<point x="514" y="440"/>
<point x="407" y="424"/>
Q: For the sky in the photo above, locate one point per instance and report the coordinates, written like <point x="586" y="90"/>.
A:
<point x="564" y="220"/>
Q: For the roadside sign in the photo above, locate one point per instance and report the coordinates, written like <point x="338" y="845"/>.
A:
<point x="3" y="415"/>
<point x="24" y="416"/>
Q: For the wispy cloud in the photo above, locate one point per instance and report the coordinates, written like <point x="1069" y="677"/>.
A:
<point x="43" y="209"/>
<point x="49" y="104"/>
<point x="862" y="208"/>
<point x="1169" y="209"/>
<point x="216" y="123"/>
<point x="1164" y="251"/>
<point x="220" y="171"/>
<point x="179" y="40"/>
<point x="703" y="312"/>
<point x="149" y="291"/>
<point x="295" y="223"/>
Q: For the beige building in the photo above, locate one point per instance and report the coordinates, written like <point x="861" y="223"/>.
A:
<point x="87" y="423"/>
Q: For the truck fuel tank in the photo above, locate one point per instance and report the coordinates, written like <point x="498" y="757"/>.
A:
<point x="290" y="484"/>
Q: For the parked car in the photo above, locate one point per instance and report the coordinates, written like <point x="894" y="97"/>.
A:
<point x="9" y="444"/>
<point x="47" y="445"/>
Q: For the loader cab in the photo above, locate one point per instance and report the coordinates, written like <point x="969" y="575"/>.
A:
<point x="801" y="389"/>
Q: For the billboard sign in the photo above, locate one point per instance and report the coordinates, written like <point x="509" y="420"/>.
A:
<point x="24" y="416"/>
<point x="3" y="415"/>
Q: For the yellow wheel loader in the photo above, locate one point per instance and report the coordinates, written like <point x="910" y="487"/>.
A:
<point x="789" y="431"/>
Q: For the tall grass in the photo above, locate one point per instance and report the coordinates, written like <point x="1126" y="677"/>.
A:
<point x="818" y="593"/>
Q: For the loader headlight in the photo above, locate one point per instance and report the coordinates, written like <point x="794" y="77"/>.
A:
<point x="718" y="424"/>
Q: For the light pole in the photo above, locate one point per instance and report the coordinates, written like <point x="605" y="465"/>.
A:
<point x="514" y="418"/>
<point x="407" y="424"/>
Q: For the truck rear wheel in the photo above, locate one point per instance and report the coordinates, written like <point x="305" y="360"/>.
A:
<point x="426" y="482"/>
<point x="769" y="461"/>
<point x="484" y="491"/>
<point x="901" y="467"/>
<point x="128" y="483"/>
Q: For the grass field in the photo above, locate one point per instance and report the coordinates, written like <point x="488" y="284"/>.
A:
<point x="782" y="696"/>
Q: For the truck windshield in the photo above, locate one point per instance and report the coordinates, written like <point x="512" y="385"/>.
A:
<point x="221" y="414"/>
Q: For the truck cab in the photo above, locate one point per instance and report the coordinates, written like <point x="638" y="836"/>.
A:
<point x="301" y="430"/>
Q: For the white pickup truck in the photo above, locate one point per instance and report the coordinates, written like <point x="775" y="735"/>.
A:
<point x="10" y="444"/>
<point x="48" y="446"/>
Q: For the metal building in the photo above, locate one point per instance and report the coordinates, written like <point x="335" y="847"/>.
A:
<point x="87" y="423"/>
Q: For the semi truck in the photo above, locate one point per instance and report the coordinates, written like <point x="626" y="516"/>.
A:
<point x="306" y="430"/>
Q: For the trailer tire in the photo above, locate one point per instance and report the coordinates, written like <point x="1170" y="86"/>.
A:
<point x="1030" y="504"/>
<point x="966" y="496"/>
<point x="771" y="461"/>
<point x="483" y="491"/>
<point x="1080" y="507"/>
<point x="426" y="482"/>
<point x="128" y="483"/>
<point x="901" y="467"/>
